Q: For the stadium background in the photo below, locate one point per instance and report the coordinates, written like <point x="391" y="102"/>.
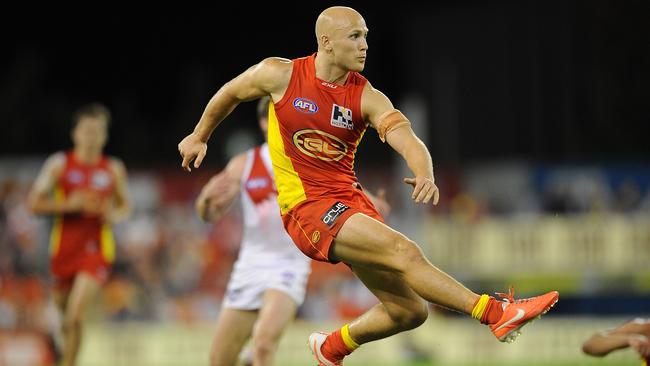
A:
<point x="535" y="112"/>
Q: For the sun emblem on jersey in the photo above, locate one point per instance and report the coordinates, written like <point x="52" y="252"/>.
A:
<point x="75" y="176"/>
<point x="320" y="145"/>
<point x="315" y="236"/>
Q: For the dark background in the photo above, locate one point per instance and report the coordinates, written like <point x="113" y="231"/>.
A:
<point x="540" y="80"/>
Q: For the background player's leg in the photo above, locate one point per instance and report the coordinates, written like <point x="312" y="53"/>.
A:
<point x="400" y="308"/>
<point x="364" y="242"/>
<point x="278" y="310"/>
<point x="83" y="289"/>
<point x="234" y="327"/>
<point x="60" y="298"/>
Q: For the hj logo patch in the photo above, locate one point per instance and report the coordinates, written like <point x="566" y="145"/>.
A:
<point x="342" y="117"/>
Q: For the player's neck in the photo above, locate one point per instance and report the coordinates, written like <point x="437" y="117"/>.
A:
<point x="328" y="71"/>
<point x="87" y="156"/>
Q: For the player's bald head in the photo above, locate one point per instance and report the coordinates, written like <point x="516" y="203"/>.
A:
<point x="336" y="18"/>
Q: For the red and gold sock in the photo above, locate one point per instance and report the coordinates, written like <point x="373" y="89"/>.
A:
<point x="339" y="344"/>
<point x="487" y="310"/>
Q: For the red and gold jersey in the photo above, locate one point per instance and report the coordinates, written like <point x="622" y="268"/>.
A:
<point x="77" y="237"/>
<point x="313" y="135"/>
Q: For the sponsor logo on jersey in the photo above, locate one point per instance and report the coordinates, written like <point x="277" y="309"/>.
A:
<point x="341" y="117"/>
<point x="333" y="213"/>
<point x="320" y="145"/>
<point x="304" y="105"/>
<point x="257" y="183"/>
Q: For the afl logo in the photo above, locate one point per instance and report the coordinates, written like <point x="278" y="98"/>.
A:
<point x="304" y="105"/>
<point x="320" y="145"/>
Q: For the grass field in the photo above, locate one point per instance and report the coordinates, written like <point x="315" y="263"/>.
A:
<point x="451" y="341"/>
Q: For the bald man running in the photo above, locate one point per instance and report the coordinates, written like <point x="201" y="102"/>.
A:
<point x="321" y="108"/>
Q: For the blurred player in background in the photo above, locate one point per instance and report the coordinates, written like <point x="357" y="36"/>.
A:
<point x="269" y="278"/>
<point x="322" y="107"/>
<point x="634" y="334"/>
<point x="86" y="192"/>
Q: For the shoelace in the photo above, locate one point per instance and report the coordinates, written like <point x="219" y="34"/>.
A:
<point x="510" y="296"/>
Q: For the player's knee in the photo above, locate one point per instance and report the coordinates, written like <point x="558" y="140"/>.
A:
<point x="71" y="323"/>
<point x="411" y="317"/>
<point x="263" y="347"/>
<point x="264" y="343"/>
<point x="407" y="254"/>
<point x="215" y="360"/>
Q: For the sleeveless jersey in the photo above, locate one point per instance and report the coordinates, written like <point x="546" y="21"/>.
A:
<point x="313" y="135"/>
<point x="75" y="237"/>
<point x="265" y="243"/>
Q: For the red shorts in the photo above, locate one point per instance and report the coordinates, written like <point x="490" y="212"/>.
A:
<point x="314" y="223"/>
<point x="64" y="272"/>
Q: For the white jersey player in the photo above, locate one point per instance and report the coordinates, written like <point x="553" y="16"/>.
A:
<point x="269" y="278"/>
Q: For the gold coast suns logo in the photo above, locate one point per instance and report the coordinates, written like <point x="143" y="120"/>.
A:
<point x="320" y="145"/>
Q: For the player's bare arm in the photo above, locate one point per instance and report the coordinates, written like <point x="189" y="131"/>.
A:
<point x="634" y="334"/>
<point x="41" y="200"/>
<point x="220" y="192"/>
<point x="395" y="129"/>
<point x="120" y="208"/>
<point x="269" y="77"/>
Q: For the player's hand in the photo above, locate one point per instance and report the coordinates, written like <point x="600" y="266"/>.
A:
<point x="75" y="202"/>
<point x="216" y="186"/>
<point x="192" y="148"/>
<point x="213" y="194"/>
<point x="424" y="189"/>
<point x="640" y="344"/>
<point x="96" y="205"/>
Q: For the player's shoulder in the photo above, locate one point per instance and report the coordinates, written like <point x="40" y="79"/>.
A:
<point x="374" y="101"/>
<point x="56" y="160"/>
<point x="58" y="156"/>
<point x="116" y="164"/>
<point x="241" y="157"/>
<point x="273" y="73"/>
<point x="54" y="164"/>
<point x="275" y="66"/>
<point x="277" y="62"/>
<point x="369" y="91"/>
<point x="237" y="162"/>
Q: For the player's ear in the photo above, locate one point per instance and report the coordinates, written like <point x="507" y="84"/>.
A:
<point x="325" y="42"/>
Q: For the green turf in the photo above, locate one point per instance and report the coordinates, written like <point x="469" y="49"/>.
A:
<point x="594" y="362"/>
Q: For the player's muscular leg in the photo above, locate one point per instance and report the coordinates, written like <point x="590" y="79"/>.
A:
<point x="277" y="311"/>
<point x="364" y="242"/>
<point x="400" y="309"/>
<point x="84" y="288"/>
<point x="234" y="327"/>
